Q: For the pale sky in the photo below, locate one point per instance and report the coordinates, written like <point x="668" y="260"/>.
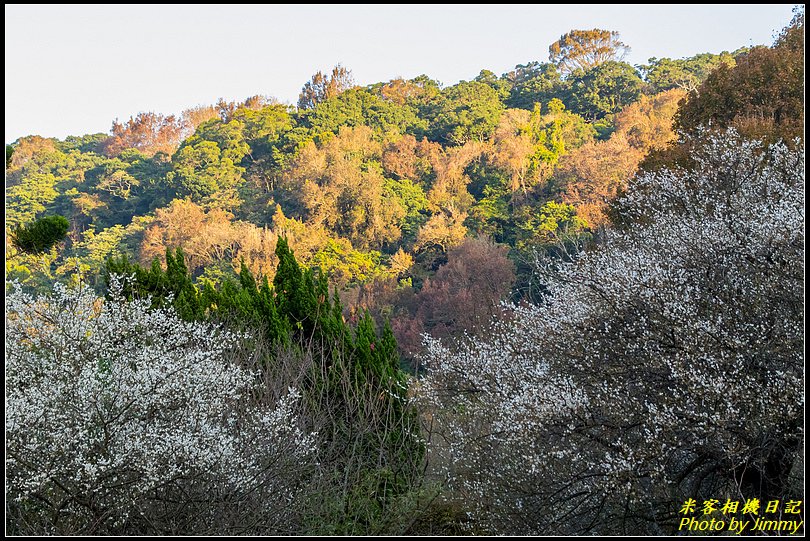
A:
<point x="71" y="70"/>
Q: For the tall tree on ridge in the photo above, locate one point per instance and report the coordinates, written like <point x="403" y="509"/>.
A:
<point x="585" y="49"/>
<point x="322" y="87"/>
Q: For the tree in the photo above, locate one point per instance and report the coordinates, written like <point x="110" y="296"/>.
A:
<point x="594" y="174"/>
<point x="30" y="197"/>
<point x="647" y="123"/>
<point x="333" y="256"/>
<point x="205" y="237"/>
<point x="414" y="91"/>
<point x="603" y="90"/>
<point x="340" y="186"/>
<point x="35" y="168"/>
<point x="26" y="149"/>
<point x="532" y="83"/>
<point x="355" y="395"/>
<point x="663" y="74"/>
<point x="762" y="95"/>
<point x="461" y="298"/>
<point x="193" y="117"/>
<point x="552" y="225"/>
<point x="586" y="49"/>
<point x="449" y="190"/>
<point x="409" y="158"/>
<point x="527" y="145"/>
<point x="123" y="418"/>
<point x="116" y="181"/>
<point x="468" y="111"/>
<point x="441" y="232"/>
<point x="148" y="133"/>
<point x="501" y="85"/>
<point x="263" y="128"/>
<point x="322" y="87"/>
<point x="41" y="235"/>
<point x="360" y="107"/>
<point x="665" y="365"/>
<point x="201" y="170"/>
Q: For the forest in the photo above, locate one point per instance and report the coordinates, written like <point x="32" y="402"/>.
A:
<point x="566" y="299"/>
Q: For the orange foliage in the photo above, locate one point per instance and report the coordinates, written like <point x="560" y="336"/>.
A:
<point x="148" y="133"/>
<point x="591" y="176"/>
<point x="411" y="159"/>
<point x="341" y="186"/>
<point x="192" y="118"/>
<point x="400" y="91"/>
<point x="209" y="236"/>
<point x="441" y="231"/>
<point x="647" y="123"/>
<point x="27" y="148"/>
<point x="449" y="190"/>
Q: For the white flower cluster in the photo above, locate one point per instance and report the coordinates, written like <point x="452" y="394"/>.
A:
<point x="113" y="407"/>
<point x="667" y="360"/>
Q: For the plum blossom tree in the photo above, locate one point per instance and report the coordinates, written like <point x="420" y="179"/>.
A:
<point x="664" y="365"/>
<point x="123" y="418"/>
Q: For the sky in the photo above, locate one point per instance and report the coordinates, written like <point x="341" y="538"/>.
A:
<point x="72" y="70"/>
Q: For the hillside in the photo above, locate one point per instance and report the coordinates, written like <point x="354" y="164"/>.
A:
<point x="566" y="299"/>
<point x="376" y="186"/>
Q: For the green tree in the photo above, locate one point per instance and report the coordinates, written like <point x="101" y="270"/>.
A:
<point x="502" y="85"/>
<point x="229" y="135"/>
<point x="355" y="375"/>
<point x="34" y="171"/>
<point x="263" y="129"/>
<point x="153" y="189"/>
<point x="202" y="169"/>
<point x="603" y="90"/>
<point x="41" y="235"/>
<point x="411" y="197"/>
<point x="551" y="225"/>
<point x="526" y="147"/>
<point x="210" y="160"/>
<point x="85" y="143"/>
<point x="468" y="111"/>
<point x="30" y="197"/>
<point x="359" y="107"/>
<point x="532" y="83"/>
<point x="662" y="74"/>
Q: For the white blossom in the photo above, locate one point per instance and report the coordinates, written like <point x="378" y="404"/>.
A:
<point x="114" y="410"/>
<point x="666" y="363"/>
